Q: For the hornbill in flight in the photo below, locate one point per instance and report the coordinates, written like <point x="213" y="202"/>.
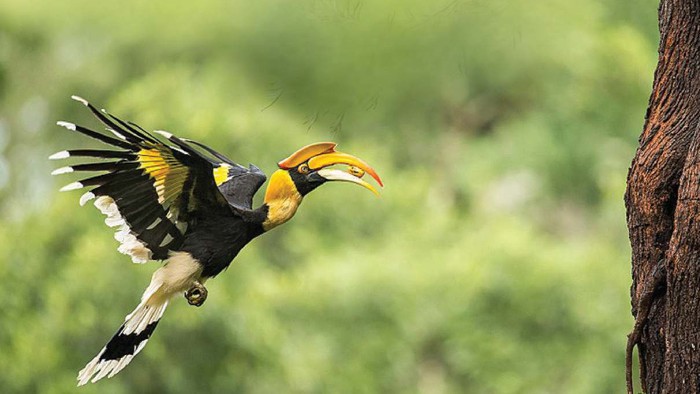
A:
<point x="179" y="201"/>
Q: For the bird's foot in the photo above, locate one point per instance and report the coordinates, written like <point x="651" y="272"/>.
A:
<point x="197" y="294"/>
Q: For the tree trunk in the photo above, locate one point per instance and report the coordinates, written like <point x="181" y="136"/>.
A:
<point x="663" y="207"/>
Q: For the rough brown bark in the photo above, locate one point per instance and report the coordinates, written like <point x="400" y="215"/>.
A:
<point x="663" y="203"/>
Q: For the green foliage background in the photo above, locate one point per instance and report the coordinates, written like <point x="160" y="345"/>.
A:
<point x="496" y="260"/>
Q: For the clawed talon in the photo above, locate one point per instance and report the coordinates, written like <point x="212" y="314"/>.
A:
<point x="197" y="294"/>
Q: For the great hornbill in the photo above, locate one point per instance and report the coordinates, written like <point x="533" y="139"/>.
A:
<point x="190" y="206"/>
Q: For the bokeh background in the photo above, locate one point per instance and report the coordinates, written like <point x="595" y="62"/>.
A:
<point x="496" y="260"/>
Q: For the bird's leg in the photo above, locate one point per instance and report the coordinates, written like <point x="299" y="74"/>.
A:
<point x="197" y="294"/>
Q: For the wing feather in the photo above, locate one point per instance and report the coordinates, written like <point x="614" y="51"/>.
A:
<point x="153" y="190"/>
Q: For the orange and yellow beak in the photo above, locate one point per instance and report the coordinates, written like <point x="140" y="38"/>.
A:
<point x="320" y="156"/>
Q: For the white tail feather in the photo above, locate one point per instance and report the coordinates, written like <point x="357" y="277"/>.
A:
<point x="176" y="276"/>
<point x="150" y="310"/>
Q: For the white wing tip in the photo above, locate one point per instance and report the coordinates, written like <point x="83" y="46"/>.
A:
<point x="163" y="133"/>
<point x="71" y="186"/>
<point x="86" y="197"/>
<point x="62" y="170"/>
<point x="117" y="134"/>
<point x="68" y="125"/>
<point x="79" y="99"/>
<point x="59" y="155"/>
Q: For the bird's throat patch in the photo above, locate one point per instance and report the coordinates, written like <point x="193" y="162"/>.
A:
<point x="282" y="199"/>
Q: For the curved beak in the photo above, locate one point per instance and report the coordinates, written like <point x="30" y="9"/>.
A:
<point x="356" y="171"/>
<point x="321" y="155"/>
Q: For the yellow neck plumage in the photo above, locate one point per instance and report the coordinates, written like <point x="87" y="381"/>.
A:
<point x="281" y="198"/>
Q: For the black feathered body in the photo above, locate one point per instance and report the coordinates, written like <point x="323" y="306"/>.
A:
<point x="215" y="240"/>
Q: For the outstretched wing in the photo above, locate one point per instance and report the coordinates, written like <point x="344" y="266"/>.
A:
<point x="151" y="190"/>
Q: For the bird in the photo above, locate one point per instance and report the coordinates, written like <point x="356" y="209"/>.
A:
<point x="182" y="203"/>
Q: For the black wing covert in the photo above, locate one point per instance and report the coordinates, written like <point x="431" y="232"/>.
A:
<point x="150" y="189"/>
<point x="241" y="185"/>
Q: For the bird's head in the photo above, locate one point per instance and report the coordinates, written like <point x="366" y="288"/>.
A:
<point x="304" y="171"/>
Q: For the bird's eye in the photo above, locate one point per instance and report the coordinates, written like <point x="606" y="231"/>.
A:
<point x="303" y="168"/>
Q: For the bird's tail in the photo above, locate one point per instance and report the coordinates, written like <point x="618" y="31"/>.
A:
<point x="131" y="336"/>
<point x="174" y="277"/>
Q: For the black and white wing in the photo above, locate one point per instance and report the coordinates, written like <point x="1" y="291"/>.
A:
<point x="150" y="190"/>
